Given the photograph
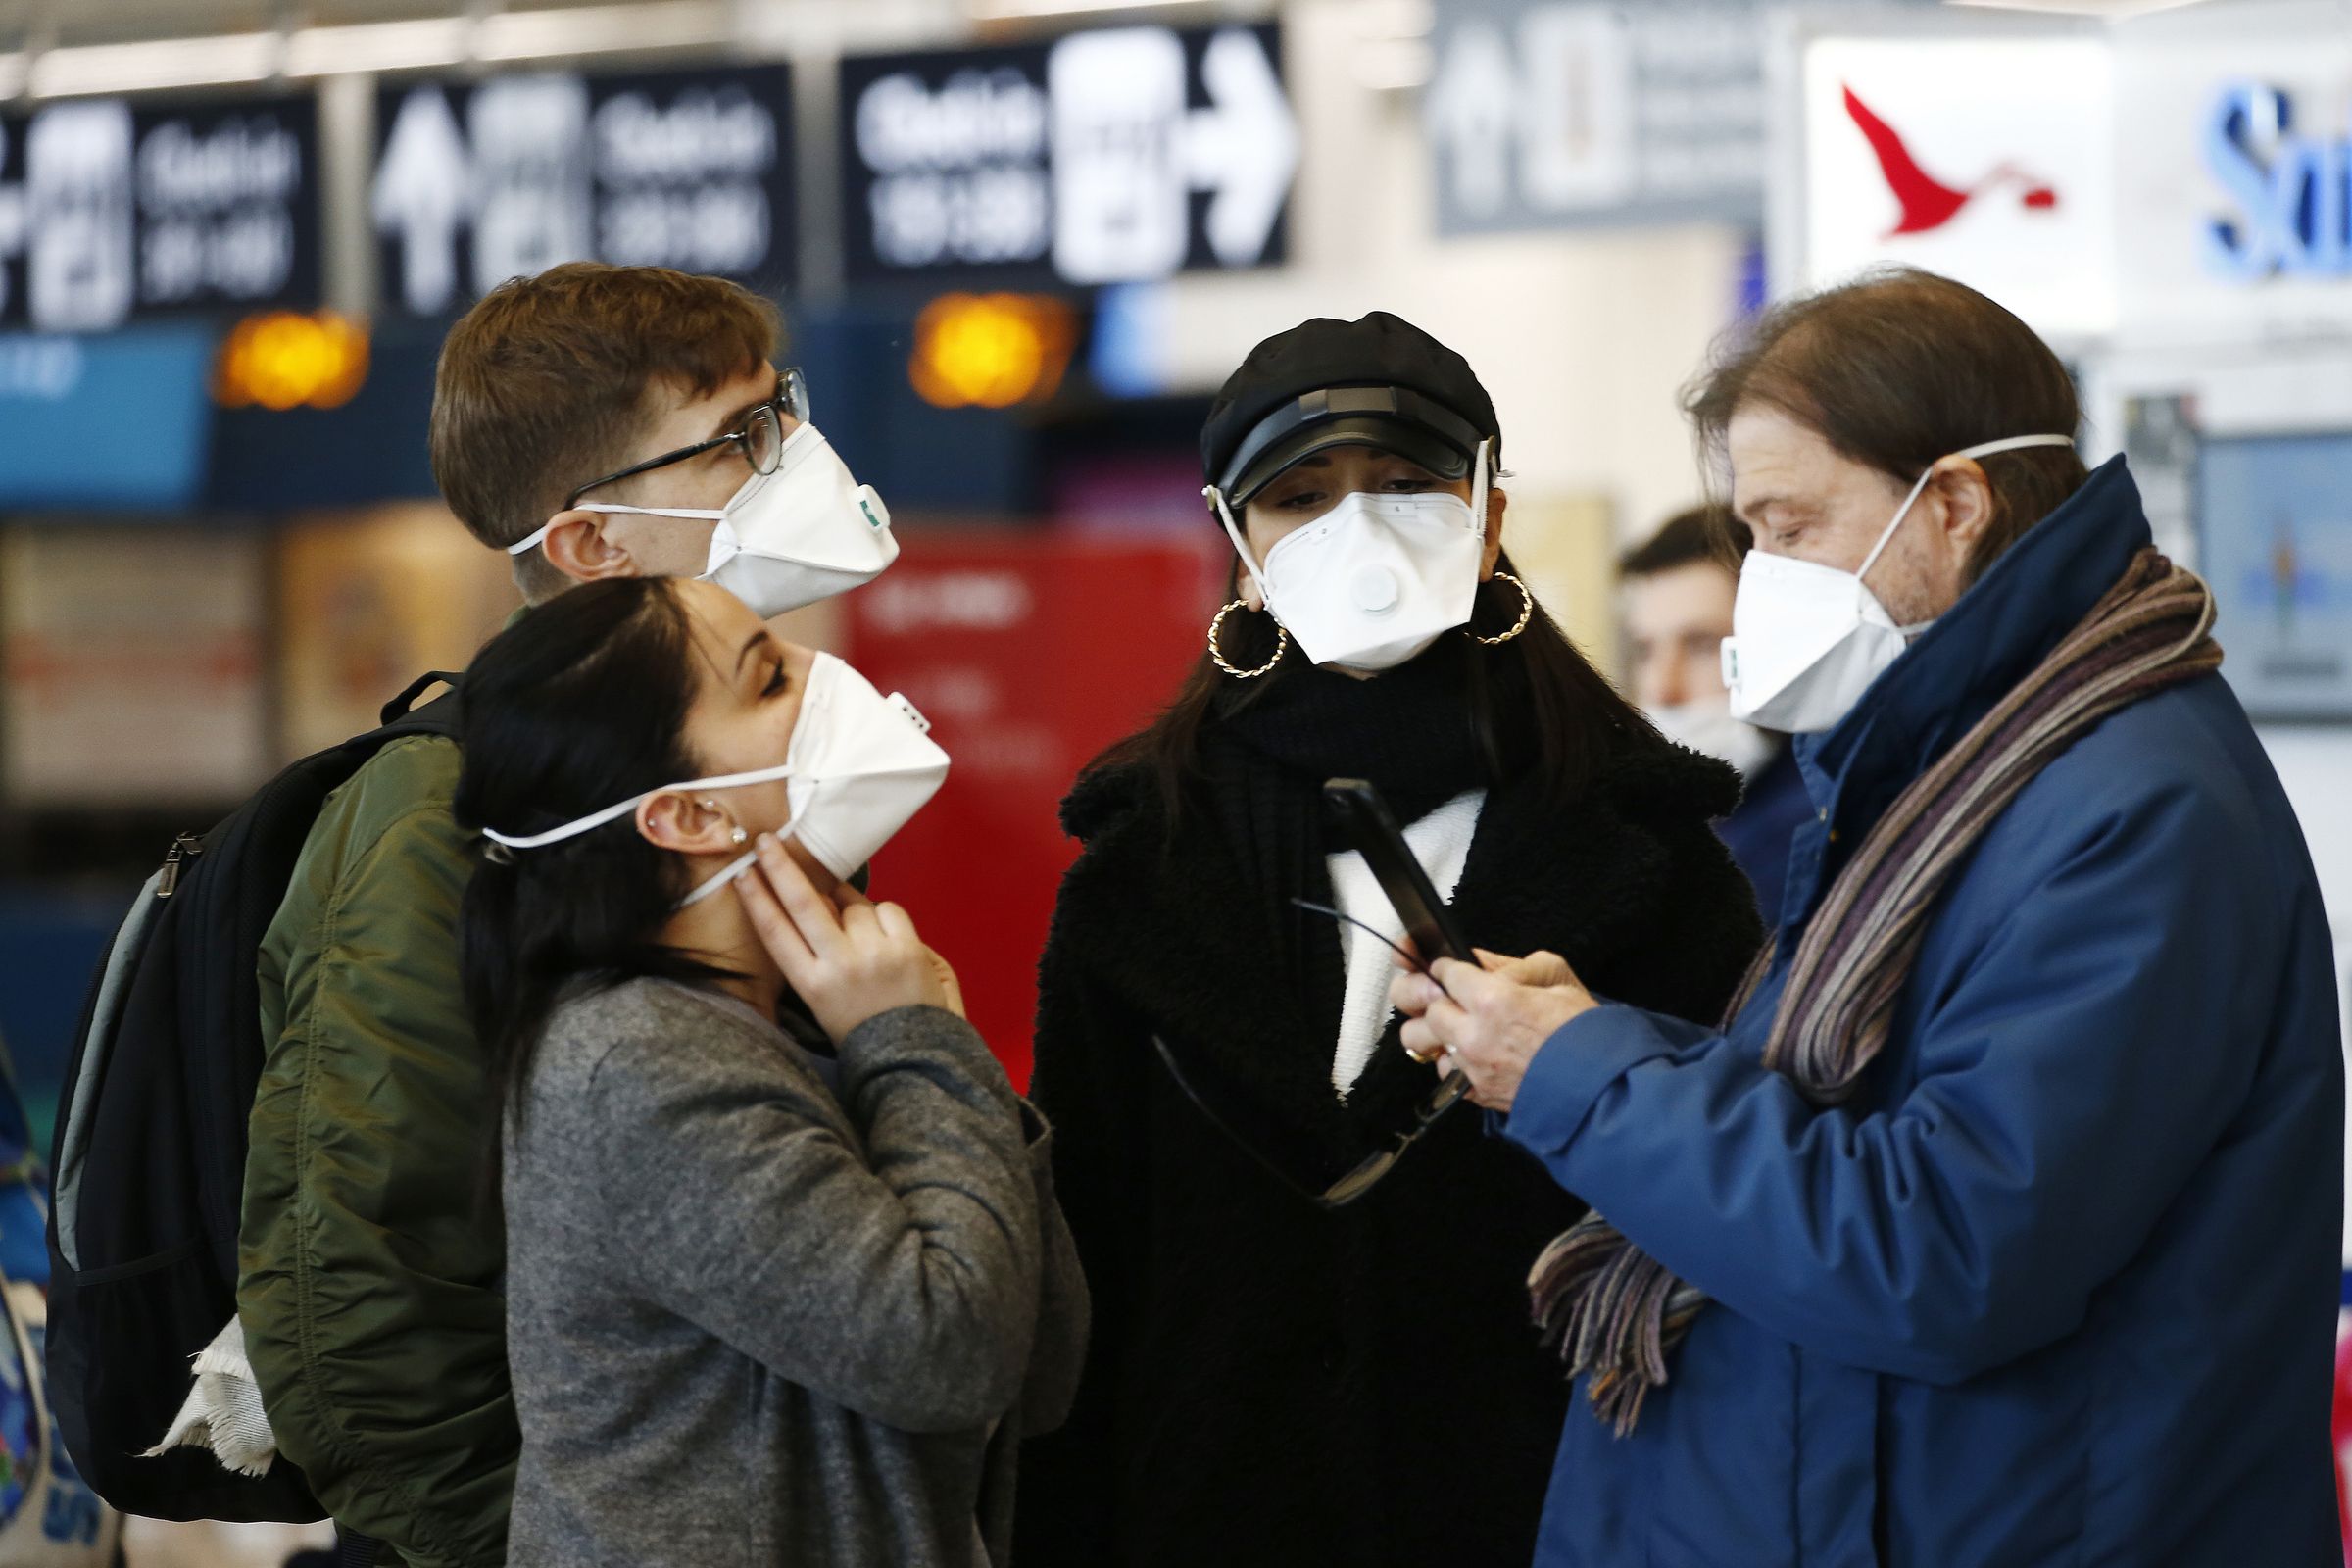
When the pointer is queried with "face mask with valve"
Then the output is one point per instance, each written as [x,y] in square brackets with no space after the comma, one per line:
[806,532]
[1375,580]
[858,769]
[1807,640]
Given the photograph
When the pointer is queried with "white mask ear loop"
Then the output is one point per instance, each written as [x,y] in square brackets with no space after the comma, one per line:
[690,514]
[538,536]
[1986,449]
[733,870]
[1478,492]
[1216,504]
[1862,573]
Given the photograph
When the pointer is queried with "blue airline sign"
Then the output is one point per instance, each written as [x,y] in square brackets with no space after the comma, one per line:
[2293,192]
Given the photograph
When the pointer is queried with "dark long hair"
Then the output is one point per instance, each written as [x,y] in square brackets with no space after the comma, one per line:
[580,704]
[1573,719]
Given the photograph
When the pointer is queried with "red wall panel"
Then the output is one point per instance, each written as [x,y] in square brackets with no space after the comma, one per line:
[1029,654]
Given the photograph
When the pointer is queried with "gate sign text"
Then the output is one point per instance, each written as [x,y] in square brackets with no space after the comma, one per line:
[476,183]
[1570,111]
[2293,192]
[109,212]
[1114,156]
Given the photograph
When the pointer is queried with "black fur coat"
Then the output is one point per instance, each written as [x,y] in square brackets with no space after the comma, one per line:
[1270,1383]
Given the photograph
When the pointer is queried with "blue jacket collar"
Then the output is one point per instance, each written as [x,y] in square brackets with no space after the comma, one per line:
[1951,677]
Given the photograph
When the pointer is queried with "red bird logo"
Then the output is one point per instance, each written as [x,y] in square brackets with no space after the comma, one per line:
[1928,202]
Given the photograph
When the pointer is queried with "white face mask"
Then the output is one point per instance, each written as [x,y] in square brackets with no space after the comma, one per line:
[1377,578]
[806,532]
[1807,640]
[1706,725]
[859,766]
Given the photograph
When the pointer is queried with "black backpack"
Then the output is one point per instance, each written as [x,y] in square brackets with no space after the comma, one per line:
[150,1146]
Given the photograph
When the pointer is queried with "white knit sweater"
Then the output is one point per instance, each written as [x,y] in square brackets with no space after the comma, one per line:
[1440,842]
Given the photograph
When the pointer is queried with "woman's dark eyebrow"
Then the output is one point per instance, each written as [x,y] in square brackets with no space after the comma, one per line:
[750,643]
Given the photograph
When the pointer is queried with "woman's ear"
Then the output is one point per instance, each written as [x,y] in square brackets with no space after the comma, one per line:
[1244,585]
[690,824]
[1497,503]
[580,547]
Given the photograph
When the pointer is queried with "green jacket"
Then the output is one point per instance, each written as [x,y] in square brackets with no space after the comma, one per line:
[368,1277]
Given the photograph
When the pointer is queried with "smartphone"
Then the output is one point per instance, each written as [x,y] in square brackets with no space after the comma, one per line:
[1367,826]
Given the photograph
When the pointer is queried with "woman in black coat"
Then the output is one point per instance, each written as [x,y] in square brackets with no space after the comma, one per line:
[1269,1376]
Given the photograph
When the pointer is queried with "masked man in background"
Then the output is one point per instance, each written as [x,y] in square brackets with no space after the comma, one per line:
[1677,603]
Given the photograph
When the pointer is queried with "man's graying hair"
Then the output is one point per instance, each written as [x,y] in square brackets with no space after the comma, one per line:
[1899,368]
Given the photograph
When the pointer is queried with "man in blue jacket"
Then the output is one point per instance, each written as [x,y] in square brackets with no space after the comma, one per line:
[2001,1225]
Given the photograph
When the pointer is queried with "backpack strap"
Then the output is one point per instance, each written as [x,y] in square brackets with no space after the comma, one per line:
[398,707]
[436,717]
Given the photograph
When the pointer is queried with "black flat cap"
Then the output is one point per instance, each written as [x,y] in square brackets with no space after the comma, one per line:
[1376,381]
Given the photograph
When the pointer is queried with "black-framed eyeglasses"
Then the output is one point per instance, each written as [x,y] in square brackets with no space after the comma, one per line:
[1376,1167]
[761,440]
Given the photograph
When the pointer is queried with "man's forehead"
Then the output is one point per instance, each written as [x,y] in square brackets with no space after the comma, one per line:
[1694,588]
[682,411]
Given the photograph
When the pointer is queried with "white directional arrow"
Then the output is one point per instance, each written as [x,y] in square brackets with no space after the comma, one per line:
[424,195]
[1245,147]
[1470,114]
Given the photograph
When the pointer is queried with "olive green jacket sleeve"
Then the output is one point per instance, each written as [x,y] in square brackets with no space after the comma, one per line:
[369,1277]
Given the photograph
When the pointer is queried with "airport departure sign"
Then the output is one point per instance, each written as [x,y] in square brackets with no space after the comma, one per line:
[1113,156]
[111,213]
[476,182]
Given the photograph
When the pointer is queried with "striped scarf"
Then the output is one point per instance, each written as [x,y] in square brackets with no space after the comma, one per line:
[1611,1310]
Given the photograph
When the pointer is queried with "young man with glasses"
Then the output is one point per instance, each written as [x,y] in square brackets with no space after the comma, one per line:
[368,1287]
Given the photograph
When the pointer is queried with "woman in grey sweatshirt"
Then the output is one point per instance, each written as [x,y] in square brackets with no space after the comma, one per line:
[778,1293]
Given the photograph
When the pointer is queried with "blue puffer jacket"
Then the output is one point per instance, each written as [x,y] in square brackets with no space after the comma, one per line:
[2059,1286]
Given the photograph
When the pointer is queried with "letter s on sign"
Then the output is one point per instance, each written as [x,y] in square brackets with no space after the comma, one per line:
[2243,249]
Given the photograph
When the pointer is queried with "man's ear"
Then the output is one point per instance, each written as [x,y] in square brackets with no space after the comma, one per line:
[689,823]
[580,546]
[1966,501]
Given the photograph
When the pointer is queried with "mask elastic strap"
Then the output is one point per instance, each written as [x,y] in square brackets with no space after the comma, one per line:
[733,870]
[1985,449]
[1216,504]
[690,514]
[621,809]
[538,536]
[1478,490]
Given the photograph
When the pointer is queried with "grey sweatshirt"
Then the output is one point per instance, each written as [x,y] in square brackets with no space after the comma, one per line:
[753,1323]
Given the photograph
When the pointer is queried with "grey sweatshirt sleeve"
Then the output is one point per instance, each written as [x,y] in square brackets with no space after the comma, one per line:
[1063,1309]
[900,1282]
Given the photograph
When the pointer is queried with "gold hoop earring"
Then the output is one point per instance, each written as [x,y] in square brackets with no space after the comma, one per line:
[1282,645]
[1527,613]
